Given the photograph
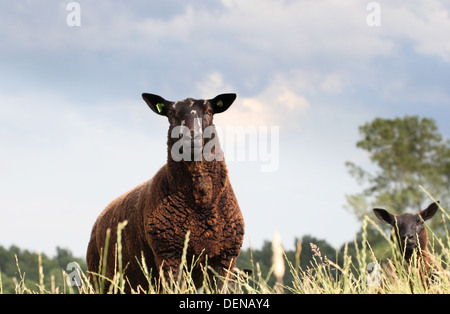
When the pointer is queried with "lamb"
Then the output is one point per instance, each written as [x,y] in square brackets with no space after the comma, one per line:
[191,192]
[411,235]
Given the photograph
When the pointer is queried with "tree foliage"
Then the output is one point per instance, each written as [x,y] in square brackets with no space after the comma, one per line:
[34,268]
[406,152]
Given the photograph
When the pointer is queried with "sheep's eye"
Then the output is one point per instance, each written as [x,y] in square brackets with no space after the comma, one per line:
[209,112]
[170,114]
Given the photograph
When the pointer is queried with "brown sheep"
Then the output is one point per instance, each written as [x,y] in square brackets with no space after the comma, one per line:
[411,235]
[191,192]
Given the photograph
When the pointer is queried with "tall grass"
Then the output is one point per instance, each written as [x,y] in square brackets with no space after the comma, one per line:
[349,275]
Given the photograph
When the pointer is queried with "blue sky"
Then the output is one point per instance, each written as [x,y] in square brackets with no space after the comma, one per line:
[75,133]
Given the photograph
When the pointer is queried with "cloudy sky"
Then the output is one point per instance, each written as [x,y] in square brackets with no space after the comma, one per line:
[75,132]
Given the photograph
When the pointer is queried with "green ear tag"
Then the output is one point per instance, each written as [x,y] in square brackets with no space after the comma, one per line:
[159,106]
[219,103]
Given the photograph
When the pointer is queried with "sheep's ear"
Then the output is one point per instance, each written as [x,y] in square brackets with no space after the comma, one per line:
[384,216]
[222,102]
[157,103]
[430,211]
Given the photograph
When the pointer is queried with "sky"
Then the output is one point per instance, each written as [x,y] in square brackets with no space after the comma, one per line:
[75,132]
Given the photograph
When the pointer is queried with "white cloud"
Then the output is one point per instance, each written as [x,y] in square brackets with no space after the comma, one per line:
[213,84]
[287,29]
[62,163]
[291,28]
[310,64]
[276,104]
[332,84]
[290,100]
[426,23]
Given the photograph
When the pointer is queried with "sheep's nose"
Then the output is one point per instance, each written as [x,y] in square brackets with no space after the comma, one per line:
[410,239]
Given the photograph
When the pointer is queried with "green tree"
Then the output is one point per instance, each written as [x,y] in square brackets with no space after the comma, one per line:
[406,152]
[28,262]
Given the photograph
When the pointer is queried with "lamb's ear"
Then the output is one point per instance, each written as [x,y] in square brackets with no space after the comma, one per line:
[222,102]
[384,216]
[430,211]
[157,103]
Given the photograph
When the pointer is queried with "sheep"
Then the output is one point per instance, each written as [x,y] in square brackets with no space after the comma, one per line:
[192,193]
[411,236]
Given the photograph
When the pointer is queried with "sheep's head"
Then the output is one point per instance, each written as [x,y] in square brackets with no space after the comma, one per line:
[408,228]
[191,124]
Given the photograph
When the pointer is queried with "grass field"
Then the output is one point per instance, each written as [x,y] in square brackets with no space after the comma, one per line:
[360,274]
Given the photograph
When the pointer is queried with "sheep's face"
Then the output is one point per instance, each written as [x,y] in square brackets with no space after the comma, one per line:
[408,229]
[191,123]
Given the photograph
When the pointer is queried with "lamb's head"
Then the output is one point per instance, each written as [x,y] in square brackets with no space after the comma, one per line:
[191,124]
[408,228]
